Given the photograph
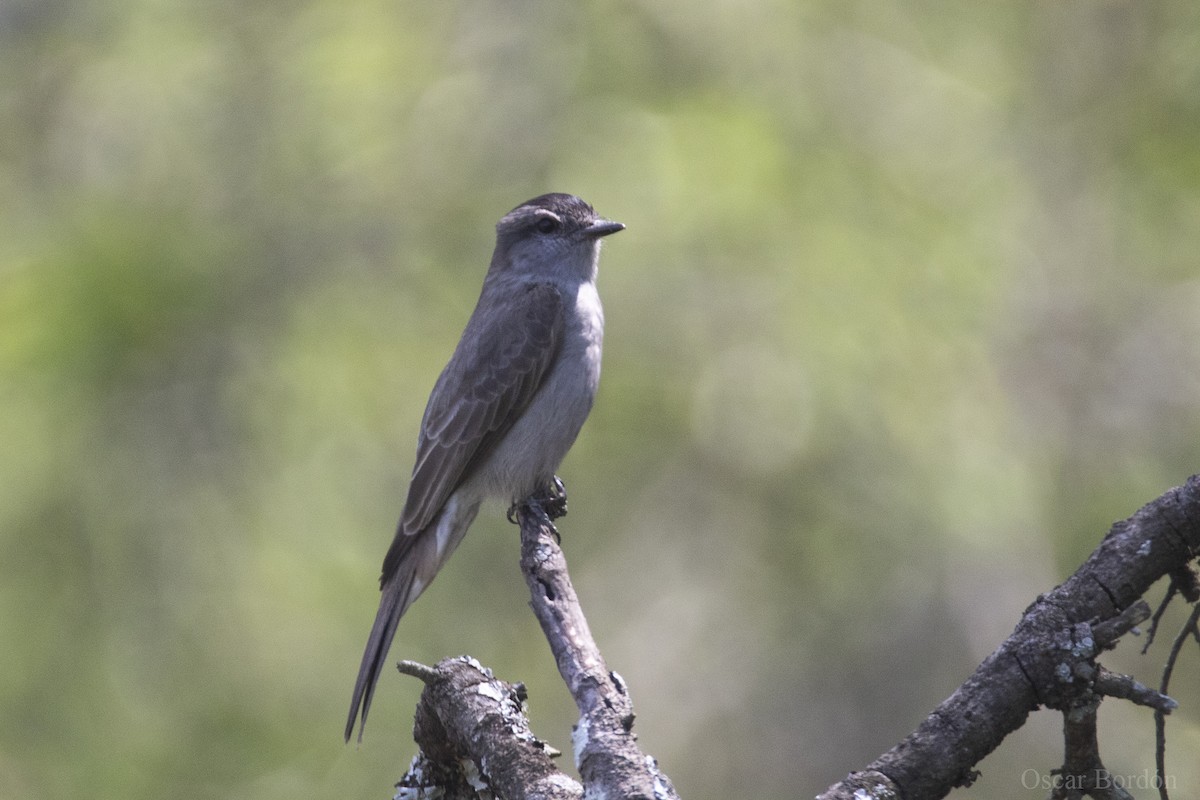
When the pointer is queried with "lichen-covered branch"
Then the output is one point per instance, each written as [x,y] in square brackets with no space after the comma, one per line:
[475,739]
[606,752]
[474,736]
[1049,660]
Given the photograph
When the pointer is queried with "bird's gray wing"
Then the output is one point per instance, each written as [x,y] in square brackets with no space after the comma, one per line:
[490,380]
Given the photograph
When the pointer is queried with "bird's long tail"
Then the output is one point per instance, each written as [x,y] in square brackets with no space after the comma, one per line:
[423,555]
[397,597]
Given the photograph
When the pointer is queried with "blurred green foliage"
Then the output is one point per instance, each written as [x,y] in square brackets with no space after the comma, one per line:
[906,315]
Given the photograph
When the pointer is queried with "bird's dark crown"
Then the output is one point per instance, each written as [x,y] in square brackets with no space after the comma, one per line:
[567,208]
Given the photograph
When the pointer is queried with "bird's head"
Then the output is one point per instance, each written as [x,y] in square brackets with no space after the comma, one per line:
[554,236]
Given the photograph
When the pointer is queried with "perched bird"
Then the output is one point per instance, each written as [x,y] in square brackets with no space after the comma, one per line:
[508,405]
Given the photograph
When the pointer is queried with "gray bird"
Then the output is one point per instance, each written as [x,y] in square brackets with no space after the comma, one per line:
[508,406]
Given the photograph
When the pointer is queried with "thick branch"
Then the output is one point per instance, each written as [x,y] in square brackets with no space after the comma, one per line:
[473,734]
[1083,772]
[1037,664]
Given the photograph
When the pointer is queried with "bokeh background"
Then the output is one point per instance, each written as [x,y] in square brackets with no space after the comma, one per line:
[906,315]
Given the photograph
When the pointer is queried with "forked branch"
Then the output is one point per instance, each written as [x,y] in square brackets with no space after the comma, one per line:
[1049,660]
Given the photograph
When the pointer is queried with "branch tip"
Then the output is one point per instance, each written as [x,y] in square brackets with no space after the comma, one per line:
[427,675]
[1110,630]
[1124,687]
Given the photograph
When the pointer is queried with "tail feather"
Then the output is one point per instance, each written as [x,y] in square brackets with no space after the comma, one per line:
[397,597]
[420,560]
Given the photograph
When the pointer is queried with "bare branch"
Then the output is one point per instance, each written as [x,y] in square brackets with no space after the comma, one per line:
[426,675]
[1123,687]
[1083,773]
[1160,721]
[606,751]
[474,735]
[1047,660]
[1158,614]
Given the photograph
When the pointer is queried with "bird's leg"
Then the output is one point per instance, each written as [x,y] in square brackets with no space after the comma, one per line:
[550,500]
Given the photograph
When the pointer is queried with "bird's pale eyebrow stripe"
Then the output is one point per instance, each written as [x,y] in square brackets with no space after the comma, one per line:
[526,212]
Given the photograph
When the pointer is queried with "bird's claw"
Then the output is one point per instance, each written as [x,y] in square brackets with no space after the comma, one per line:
[554,500]
[551,500]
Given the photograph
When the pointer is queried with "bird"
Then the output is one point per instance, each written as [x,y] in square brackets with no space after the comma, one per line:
[507,407]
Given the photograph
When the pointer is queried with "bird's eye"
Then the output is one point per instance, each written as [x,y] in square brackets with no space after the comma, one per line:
[547,225]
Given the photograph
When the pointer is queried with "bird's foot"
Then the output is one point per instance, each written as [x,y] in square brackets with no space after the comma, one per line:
[551,500]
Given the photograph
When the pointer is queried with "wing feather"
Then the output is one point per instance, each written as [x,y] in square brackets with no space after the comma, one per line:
[491,378]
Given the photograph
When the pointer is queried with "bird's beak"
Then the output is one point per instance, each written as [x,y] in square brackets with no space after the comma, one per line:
[603,227]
